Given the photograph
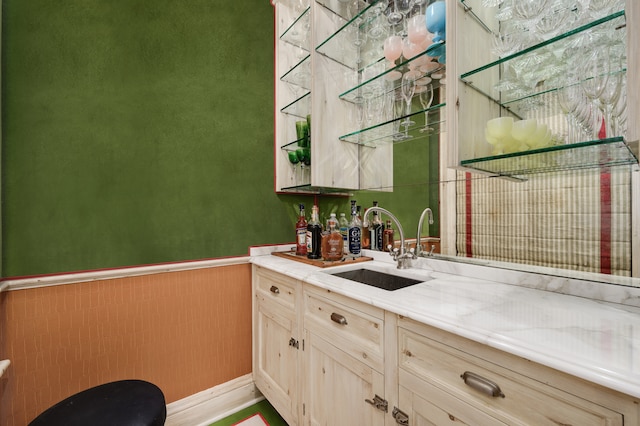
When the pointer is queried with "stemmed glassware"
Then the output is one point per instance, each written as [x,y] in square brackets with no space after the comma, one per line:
[392,49]
[611,92]
[395,16]
[408,89]
[294,160]
[594,71]
[426,99]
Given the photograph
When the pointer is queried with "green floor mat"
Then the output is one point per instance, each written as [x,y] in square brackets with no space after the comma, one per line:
[263,407]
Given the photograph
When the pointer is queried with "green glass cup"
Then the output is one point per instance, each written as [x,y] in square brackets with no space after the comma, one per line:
[302,133]
[293,157]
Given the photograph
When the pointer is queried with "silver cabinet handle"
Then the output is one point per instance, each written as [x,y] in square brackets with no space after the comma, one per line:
[274,289]
[481,384]
[338,318]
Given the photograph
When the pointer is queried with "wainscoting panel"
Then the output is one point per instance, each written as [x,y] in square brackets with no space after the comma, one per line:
[185,331]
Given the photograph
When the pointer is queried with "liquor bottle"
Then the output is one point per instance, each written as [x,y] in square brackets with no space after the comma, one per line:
[314,235]
[333,249]
[376,229]
[355,232]
[366,233]
[333,220]
[301,233]
[344,231]
[388,237]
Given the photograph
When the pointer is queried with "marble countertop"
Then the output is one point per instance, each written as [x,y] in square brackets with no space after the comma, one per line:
[594,340]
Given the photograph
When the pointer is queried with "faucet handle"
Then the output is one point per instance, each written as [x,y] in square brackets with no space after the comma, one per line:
[412,253]
[393,252]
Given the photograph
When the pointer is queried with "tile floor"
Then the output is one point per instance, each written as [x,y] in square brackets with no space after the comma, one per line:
[263,407]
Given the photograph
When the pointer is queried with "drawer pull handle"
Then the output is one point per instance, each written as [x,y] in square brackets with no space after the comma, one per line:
[481,384]
[338,318]
[274,289]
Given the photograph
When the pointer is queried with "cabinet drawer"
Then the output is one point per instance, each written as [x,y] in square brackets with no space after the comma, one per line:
[276,287]
[352,326]
[505,394]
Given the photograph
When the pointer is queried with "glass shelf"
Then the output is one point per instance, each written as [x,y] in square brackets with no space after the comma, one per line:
[301,107]
[346,46]
[600,153]
[300,74]
[293,146]
[369,85]
[345,9]
[516,80]
[309,189]
[392,131]
[297,34]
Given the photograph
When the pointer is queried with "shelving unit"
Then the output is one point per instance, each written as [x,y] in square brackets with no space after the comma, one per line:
[524,85]
[333,82]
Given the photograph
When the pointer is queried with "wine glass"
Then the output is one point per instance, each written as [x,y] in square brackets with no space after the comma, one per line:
[403,6]
[395,16]
[417,29]
[426,99]
[304,158]
[436,20]
[568,100]
[398,111]
[392,49]
[377,30]
[611,92]
[408,88]
[293,159]
[409,49]
[594,70]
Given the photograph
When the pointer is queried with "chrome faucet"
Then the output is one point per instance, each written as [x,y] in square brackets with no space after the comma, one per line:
[429,213]
[402,256]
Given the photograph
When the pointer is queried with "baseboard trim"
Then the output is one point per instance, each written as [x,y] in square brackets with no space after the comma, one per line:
[211,405]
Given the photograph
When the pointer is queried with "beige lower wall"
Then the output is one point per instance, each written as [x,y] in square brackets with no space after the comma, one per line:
[185,331]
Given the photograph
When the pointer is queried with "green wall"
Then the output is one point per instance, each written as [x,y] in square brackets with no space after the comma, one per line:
[139,132]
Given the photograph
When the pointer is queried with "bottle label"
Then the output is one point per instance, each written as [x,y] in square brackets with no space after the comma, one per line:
[302,236]
[354,240]
[309,241]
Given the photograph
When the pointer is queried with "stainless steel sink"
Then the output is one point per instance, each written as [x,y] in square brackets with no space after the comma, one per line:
[377,279]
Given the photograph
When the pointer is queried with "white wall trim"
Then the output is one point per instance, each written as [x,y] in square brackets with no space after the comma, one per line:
[77,277]
[211,405]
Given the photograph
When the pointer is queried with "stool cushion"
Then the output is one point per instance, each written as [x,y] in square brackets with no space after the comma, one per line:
[122,403]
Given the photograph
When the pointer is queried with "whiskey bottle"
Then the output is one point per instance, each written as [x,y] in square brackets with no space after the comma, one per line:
[314,235]
[354,232]
[301,233]
[333,249]
[388,237]
[366,233]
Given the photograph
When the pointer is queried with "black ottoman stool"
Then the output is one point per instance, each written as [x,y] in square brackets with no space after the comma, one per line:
[122,403]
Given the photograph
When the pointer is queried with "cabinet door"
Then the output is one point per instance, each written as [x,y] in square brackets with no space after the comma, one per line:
[275,368]
[337,386]
[426,405]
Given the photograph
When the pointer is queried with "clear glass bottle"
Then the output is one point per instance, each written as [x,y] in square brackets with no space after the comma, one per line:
[344,232]
[314,235]
[301,233]
[333,220]
[355,232]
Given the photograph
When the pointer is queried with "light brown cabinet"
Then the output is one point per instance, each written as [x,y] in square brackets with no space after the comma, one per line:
[276,340]
[322,358]
[466,378]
